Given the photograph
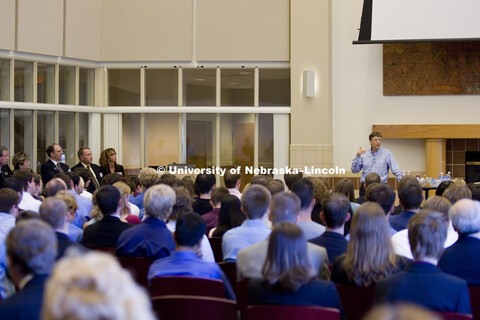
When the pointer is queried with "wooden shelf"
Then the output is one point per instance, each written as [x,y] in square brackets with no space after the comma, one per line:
[423,131]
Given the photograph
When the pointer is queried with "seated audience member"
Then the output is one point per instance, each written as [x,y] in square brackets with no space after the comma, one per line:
[422,282]
[84,204]
[26,215]
[150,239]
[105,232]
[403,181]
[284,207]
[86,161]
[25,176]
[147,178]
[112,178]
[335,212]
[184,261]
[410,195]
[442,187]
[126,214]
[54,211]
[86,178]
[31,251]
[204,183]
[183,204]
[401,311]
[211,218]
[321,193]
[230,216]
[255,203]
[233,182]
[53,186]
[401,245]
[384,195]
[275,186]
[345,186]
[75,234]
[94,286]
[189,184]
[455,193]
[291,178]
[370,256]
[459,182]
[260,179]
[37,194]
[304,189]
[475,189]
[370,179]
[53,165]
[108,162]
[462,258]
[287,275]
[20,160]
[9,200]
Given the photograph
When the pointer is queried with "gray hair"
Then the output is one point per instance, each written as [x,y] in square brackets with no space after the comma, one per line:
[465,215]
[159,201]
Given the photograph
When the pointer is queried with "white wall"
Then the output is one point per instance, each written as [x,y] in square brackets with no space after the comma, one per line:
[358,100]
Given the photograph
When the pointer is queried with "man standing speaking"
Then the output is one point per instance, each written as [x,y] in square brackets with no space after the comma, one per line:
[376,159]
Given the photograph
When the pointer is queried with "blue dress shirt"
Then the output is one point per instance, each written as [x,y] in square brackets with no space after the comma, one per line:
[248,233]
[379,162]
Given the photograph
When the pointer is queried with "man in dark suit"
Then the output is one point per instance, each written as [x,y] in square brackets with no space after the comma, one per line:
[86,158]
[335,213]
[410,195]
[105,232]
[462,259]
[370,179]
[5,171]
[421,282]
[31,251]
[53,165]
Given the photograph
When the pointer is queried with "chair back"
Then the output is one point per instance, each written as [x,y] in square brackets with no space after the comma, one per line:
[287,312]
[180,285]
[216,243]
[138,268]
[356,301]
[179,307]
[475,300]
[455,316]
[230,270]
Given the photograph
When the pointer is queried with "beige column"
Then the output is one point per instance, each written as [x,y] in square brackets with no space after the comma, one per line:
[435,158]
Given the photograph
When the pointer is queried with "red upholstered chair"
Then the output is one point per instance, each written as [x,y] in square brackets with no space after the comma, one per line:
[475,300]
[284,312]
[179,285]
[179,307]
[138,267]
[455,316]
[356,301]
[216,244]
[230,270]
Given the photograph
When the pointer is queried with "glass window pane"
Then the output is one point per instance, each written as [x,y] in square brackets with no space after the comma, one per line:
[124,87]
[45,83]
[199,87]
[274,87]
[67,137]
[23,81]
[23,138]
[265,140]
[4,80]
[161,135]
[200,142]
[67,85]
[131,141]
[83,129]
[161,87]
[45,135]
[87,87]
[5,128]
[237,139]
[237,87]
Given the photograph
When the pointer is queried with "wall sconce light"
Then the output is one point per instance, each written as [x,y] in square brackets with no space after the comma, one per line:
[308,83]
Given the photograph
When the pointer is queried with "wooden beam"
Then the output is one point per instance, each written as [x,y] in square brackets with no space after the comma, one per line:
[423,131]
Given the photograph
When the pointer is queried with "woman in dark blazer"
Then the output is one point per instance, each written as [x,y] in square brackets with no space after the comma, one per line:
[108,162]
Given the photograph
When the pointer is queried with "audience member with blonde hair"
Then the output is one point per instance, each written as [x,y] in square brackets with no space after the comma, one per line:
[370,256]
[126,213]
[147,178]
[439,204]
[288,277]
[455,193]
[75,233]
[321,193]
[94,287]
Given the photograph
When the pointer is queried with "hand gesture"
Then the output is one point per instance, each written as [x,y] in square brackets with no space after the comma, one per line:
[361,151]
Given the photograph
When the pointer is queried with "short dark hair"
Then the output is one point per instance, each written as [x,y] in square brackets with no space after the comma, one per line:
[75,177]
[255,201]
[276,186]
[374,134]
[218,194]
[53,211]
[305,190]
[13,183]
[51,148]
[8,199]
[205,182]
[426,234]
[442,187]
[111,178]
[382,194]
[284,207]
[65,177]
[189,229]
[80,151]
[231,179]
[25,176]
[372,177]
[291,178]
[107,199]
[410,195]
[475,189]
[335,208]
[260,180]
